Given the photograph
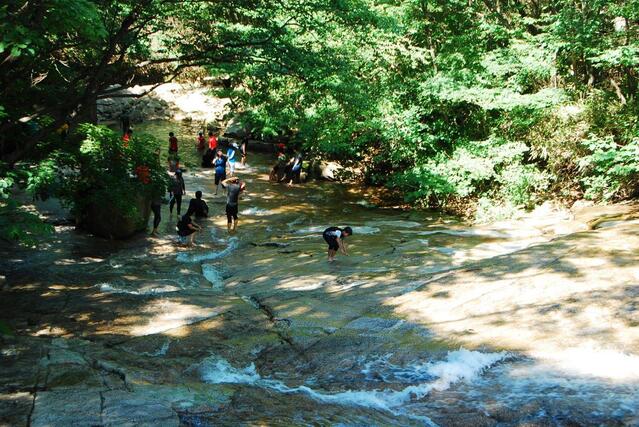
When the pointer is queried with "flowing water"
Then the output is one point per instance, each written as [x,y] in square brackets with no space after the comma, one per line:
[332,352]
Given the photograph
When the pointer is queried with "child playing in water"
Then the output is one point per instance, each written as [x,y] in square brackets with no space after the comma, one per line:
[335,236]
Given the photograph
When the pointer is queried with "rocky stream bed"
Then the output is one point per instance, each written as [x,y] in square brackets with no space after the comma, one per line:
[429,321]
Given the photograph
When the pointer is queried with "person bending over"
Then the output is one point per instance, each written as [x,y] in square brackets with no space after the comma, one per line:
[294,170]
[335,236]
[233,188]
[197,206]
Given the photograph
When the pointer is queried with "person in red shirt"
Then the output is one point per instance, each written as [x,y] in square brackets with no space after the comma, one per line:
[212,142]
[173,143]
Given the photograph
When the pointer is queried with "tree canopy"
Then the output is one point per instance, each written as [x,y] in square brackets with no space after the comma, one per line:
[450,102]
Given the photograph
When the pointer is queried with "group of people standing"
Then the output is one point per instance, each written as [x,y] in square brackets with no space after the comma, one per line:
[186,227]
[213,156]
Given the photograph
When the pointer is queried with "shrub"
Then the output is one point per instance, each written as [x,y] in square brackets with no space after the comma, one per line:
[473,169]
[611,171]
[103,171]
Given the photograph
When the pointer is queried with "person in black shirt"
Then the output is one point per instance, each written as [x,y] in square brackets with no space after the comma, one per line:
[335,236]
[198,206]
[177,189]
[186,227]
[156,207]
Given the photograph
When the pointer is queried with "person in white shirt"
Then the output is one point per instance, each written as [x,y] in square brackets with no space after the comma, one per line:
[335,236]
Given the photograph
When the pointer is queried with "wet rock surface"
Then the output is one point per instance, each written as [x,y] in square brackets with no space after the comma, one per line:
[401,332]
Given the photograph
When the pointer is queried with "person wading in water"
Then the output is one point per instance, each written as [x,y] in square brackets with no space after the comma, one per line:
[177,190]
[220,169]
[233,187]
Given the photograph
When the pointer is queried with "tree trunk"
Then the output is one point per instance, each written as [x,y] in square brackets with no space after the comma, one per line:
[614,84]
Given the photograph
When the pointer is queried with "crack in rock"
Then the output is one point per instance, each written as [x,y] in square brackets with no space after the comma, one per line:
[278,323]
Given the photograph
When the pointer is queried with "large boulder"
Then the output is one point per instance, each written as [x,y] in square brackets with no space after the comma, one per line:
[110,221]
[329,170]
[234,129]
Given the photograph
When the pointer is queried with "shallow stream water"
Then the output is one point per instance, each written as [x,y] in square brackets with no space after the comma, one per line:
[339,355]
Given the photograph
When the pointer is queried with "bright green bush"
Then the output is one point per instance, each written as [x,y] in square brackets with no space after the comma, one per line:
[103,171]
[473,169]
[16,223]
[611,171]
[490,210]
[521,184]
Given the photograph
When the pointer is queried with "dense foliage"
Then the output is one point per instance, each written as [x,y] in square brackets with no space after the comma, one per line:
[458,101]
[103,171]
[494,104]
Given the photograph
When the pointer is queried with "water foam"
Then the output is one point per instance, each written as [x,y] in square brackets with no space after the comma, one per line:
[461,233]
[364,229]
[461,365]
[602,382]
[257,212]
[590,360]
[209,256]
[397,223]
[213,275]
[160,351]
[296,221]
[112,289]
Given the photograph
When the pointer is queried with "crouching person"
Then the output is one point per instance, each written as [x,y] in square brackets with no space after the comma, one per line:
[187,228]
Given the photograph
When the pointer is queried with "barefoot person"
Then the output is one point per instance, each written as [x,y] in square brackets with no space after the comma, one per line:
[231,157]
[176,190]
[186,227]
[335,236]
[294,170]
[220,169]
[233,187]
[156,208]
